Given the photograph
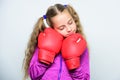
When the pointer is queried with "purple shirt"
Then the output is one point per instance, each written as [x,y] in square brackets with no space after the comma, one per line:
[58,69]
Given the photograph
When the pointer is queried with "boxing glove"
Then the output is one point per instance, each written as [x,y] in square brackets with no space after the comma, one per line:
[49,44]
[72,48]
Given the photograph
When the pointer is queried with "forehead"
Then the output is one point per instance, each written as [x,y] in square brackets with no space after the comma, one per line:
[61,18]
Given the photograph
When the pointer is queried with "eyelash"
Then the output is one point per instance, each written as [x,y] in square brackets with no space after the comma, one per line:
[61,28]
[68,23]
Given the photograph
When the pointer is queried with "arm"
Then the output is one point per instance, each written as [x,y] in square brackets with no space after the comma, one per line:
[83,72]
[36,69]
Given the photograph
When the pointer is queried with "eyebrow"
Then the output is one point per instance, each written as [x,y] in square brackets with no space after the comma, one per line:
[67,22]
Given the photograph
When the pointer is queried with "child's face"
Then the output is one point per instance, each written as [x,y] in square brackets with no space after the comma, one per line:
[64,23]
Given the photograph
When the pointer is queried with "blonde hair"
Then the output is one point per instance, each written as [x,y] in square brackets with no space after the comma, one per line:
[39,26]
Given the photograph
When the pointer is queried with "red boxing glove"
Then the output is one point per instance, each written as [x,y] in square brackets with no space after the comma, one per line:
[73,46]
[49,44]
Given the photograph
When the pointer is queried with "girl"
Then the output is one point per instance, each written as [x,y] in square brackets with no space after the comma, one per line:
[64,20]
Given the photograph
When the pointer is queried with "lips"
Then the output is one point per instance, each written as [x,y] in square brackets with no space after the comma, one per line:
[72,32]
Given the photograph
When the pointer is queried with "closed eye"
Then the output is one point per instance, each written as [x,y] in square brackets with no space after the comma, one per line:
[70,21]
[61,27]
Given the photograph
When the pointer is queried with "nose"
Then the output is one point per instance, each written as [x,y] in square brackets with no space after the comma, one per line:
[68,29]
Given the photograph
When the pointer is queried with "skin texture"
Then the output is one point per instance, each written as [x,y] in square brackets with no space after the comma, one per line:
[64,23]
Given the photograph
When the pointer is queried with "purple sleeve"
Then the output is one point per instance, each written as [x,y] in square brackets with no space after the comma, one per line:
[83,72]
[36,69]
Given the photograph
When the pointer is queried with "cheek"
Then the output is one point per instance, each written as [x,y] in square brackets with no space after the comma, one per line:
[74,27]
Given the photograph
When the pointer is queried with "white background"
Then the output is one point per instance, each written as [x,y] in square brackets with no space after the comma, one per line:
[100,20]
